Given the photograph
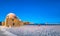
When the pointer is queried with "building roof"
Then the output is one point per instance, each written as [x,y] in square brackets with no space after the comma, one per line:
[11,15]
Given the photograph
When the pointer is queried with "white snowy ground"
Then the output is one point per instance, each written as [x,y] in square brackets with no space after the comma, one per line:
[3,32]
[35,30]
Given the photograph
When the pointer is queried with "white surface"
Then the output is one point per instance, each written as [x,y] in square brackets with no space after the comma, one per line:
[33,30]
[7,33]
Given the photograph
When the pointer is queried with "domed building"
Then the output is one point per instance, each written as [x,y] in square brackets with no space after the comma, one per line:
[13,21]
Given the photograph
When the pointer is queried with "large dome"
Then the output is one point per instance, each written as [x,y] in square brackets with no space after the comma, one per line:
[11,15]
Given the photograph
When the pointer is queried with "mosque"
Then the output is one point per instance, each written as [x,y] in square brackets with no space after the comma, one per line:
[12,20]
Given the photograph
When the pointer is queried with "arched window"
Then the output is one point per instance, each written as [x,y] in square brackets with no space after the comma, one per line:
[12,19]
[13,24]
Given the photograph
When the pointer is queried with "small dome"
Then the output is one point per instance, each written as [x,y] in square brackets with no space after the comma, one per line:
[11,15]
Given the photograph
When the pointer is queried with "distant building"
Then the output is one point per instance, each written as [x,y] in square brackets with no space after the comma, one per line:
[0,23]
[26,23]
[13,21]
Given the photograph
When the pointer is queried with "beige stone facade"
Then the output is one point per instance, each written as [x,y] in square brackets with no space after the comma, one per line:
[13,21]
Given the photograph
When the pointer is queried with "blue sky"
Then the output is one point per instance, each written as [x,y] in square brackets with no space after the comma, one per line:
[36,11]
